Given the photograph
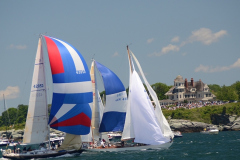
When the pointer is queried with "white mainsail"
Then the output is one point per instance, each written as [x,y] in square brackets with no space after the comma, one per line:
[166,130]
[145,124]
[128,132]
[36,128]
[95,108]
[97,111]
[140,112]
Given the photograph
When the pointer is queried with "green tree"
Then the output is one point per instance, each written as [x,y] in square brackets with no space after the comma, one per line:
[236,86]
[214,87]
[160,89]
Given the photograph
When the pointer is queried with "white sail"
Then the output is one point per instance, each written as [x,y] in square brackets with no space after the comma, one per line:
[166,130]
[71,141]
[128,132]
[142,113]
[97,111]
[95,108]
[36,128]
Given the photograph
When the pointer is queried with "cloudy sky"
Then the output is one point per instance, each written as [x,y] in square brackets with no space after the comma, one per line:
[194,39]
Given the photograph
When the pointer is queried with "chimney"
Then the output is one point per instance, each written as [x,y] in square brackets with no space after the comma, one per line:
[186,83]
[192,82]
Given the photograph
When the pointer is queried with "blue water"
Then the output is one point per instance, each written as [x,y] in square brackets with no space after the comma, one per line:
[192,146]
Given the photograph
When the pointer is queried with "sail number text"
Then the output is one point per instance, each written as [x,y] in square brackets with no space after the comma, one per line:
[38,86]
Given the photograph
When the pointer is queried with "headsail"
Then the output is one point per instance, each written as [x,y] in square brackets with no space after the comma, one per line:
[36,128]
[72,88]
[116,101]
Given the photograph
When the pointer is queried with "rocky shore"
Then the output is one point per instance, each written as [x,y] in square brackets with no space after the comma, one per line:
[223,122]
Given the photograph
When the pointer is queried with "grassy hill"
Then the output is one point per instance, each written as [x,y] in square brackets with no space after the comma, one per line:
[203,114]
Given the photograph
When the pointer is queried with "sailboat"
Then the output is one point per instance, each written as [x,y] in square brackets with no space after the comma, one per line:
[5,141]
[110,118]
[144,127]
[72,98]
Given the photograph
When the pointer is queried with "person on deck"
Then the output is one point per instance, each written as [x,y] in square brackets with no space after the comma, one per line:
[14,148]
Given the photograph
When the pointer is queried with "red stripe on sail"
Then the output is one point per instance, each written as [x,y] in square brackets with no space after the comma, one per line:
[54,56]
[80,119]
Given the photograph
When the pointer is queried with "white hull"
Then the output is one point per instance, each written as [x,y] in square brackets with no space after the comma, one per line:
[159,147]
[209,132]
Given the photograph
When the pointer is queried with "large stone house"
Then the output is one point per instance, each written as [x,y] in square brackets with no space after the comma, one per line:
[190,91]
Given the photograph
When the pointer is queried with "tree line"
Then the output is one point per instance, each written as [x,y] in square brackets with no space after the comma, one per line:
[17,116]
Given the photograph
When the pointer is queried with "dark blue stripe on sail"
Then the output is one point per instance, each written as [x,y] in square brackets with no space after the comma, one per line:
[111,81]
[112,121]
[74,129]
[66,78]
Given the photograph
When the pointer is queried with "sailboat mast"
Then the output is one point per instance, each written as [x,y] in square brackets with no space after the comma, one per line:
[5,110]
[129,58]
[49,144]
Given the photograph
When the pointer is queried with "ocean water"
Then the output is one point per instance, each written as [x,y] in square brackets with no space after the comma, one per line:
[192,146]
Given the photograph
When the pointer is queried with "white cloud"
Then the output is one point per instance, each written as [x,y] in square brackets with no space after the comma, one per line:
[169,48]
[150,40]
[205,36]
[19,47]
[165,50]
[115,54]
[210,69]
[10,92]
[175,39]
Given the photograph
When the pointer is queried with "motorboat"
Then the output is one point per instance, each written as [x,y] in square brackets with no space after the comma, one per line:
[177,134]
[210,130]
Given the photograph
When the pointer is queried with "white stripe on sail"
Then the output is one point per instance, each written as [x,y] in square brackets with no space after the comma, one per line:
[116,102]
[76,59]
[75,87]
[62,111]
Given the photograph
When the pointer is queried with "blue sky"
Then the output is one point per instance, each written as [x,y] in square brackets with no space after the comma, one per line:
[194,39]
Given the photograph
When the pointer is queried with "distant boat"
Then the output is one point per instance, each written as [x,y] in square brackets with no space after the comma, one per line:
[177,134]
[72,97]
[5,141]
[210,130]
